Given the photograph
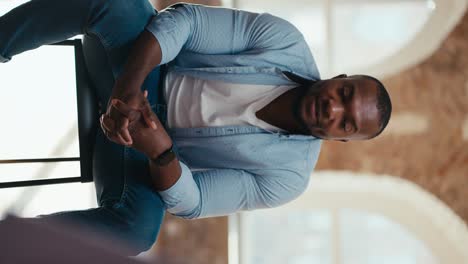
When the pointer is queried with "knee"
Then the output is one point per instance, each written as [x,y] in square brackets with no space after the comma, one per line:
[147,227]
[143,220]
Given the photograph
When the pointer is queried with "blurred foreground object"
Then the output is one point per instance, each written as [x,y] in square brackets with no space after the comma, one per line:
[33,241]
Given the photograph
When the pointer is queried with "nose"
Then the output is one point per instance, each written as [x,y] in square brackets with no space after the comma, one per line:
[334,109]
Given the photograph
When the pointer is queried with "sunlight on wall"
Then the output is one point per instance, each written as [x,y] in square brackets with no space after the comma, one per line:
[407,123]
[465,129]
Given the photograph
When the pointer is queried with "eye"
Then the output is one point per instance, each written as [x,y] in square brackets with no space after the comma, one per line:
[347,127]
[346,91]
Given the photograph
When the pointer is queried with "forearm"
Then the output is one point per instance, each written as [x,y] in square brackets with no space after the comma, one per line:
[144,57]
[164,177]
[127,95]
[165,169]
[156,144]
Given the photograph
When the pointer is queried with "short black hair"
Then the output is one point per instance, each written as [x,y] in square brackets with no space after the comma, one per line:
[384,104]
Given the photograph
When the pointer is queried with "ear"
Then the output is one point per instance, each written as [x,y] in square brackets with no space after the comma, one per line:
[340,76]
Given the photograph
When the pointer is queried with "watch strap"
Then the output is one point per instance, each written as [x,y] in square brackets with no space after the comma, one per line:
[166,157]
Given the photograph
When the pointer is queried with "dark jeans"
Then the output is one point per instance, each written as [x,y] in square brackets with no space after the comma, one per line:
[128,208]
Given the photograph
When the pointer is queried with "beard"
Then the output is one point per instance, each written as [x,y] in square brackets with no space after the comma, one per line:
[297,111]
[312,89]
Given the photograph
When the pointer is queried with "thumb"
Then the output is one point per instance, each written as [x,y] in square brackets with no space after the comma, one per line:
[147,113]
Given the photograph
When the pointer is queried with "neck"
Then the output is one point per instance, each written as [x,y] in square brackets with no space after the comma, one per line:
[282,112]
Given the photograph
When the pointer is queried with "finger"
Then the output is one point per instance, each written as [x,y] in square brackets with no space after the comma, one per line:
[121,140]
[124,133]
[106,133]
[116,138]
[134,115]
[121,107]
[113,137]
[108,127]
[125,110]
[146,111]
[101,122]
[121,131]
[107,123]
[121,127]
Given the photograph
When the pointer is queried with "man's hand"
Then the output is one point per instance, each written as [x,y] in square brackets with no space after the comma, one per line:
[145,56]
[115,124]
[146,139]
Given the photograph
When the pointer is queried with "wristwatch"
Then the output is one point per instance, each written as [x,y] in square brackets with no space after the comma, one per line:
[165,158]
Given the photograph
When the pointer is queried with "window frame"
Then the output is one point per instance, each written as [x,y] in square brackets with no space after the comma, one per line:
[83,93]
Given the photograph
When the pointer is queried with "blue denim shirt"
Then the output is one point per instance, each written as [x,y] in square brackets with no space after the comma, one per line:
[231,168]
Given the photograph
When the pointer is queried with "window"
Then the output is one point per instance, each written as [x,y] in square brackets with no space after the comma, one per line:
[39,120]
[39,93]
[376,37]
[320,236]
[368,33]
[351,219]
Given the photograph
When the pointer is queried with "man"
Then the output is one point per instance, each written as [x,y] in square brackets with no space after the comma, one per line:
[246,109]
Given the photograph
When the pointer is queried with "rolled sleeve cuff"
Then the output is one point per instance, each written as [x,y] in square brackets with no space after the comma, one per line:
[171,28]
[184,196]
[154,28]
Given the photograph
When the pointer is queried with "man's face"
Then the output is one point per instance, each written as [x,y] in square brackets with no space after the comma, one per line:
[342,108]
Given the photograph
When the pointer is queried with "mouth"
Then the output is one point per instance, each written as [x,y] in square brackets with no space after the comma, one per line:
[317,111]
[313,111]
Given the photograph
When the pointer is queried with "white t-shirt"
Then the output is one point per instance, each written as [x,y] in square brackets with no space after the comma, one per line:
[193,102]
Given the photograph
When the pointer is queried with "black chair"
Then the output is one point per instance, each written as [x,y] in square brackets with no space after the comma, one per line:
[92,70]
